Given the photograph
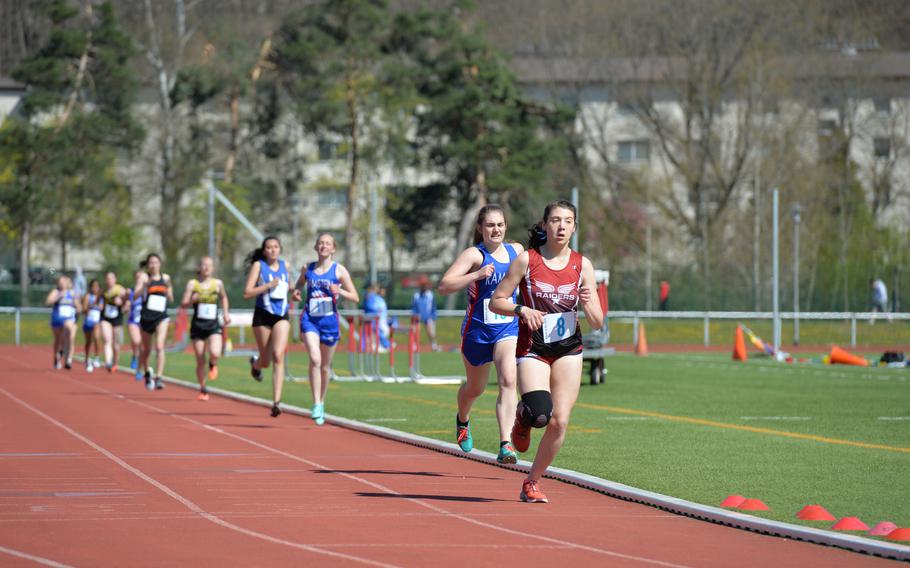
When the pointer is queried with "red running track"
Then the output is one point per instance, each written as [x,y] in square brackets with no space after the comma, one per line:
[95,471]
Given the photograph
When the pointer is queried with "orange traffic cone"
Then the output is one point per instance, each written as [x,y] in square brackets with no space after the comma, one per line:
[739,345]
[641,346]
[839,356]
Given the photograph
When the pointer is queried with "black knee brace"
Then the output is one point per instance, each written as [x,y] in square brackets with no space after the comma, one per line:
[535,409]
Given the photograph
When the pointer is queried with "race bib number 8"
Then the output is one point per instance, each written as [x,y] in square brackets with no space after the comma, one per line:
[111,311]
[557,327]
[321,307]
[156,303]
[93,316]
[66,312]
[206,311]
[492,318]
[279,292]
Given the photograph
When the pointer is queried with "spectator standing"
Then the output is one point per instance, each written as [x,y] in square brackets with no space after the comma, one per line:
[424,307]
[664,295]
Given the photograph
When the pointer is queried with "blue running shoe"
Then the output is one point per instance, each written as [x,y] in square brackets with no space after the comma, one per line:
[507,454]
[140,374]
[319,413]
[463,436]
[134,363]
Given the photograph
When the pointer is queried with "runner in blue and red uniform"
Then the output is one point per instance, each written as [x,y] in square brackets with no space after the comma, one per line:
[325,282]
[486,337]
[63,320]
[92,304]
[554,281]
[134,321]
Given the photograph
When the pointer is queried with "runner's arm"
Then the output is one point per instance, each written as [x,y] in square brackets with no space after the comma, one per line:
[251,290]
[187,295]
[347,291]
[501,301]
[589,301]
[464,271]
[225,304]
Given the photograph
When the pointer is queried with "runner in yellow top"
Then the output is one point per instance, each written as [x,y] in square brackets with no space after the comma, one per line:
[111,318]
[206,327]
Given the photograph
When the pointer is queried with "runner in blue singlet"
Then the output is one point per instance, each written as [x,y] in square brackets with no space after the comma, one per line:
[268,281]
[485,337]
[63,320]
[325,281]
[92,305]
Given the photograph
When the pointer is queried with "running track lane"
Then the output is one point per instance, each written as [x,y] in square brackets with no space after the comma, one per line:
[95,471]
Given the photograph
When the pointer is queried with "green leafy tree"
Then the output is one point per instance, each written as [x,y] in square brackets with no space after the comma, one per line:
[59,154]
[476,129]
[334,60]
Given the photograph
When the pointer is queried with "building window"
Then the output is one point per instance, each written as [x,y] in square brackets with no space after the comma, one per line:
[881,147]
[332,197]
[634,151]
[882,105]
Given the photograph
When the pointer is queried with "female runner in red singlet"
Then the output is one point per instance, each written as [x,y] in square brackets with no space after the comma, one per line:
[554,281]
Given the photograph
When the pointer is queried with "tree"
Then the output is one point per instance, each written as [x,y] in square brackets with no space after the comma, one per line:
[475,128]
[59,154]
[333,59]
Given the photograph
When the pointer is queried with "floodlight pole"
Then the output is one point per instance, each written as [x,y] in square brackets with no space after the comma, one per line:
[374,232]
[776,268]
[211,189]
[797,217]
[575,203]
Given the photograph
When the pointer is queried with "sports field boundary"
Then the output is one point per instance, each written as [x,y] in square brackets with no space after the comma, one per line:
[610,488]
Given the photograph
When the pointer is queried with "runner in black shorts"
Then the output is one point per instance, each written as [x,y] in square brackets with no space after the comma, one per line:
[111,319]
[206,328]
[154,290]
[268,282]
[554,281]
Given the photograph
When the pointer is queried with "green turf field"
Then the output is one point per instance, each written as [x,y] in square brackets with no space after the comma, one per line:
[699,427]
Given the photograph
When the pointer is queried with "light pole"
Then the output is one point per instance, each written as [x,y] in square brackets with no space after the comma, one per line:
[775,267]
[797,217]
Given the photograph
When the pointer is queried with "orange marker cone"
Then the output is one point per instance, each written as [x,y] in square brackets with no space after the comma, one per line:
[739,345]
[753,505]
[842,357]
[733,501]
[641,347]
[850,524]
[899,534]
[815,513]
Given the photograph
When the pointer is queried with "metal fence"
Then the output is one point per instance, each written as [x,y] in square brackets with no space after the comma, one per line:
[616,319]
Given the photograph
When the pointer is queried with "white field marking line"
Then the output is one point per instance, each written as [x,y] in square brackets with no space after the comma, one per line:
[390,491]
[33,558]
[183,500]
[775,418]
[894,418]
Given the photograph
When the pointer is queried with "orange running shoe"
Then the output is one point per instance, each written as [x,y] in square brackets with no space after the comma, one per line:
[531,493]
[203,396]
[213,372]
[521,435]
[114,368]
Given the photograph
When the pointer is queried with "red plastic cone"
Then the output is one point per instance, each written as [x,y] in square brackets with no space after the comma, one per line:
[842,357]
[753,505]
[899,534]
[739,345]
[850,524]
[882,529]
[641,346]
[733,501]
[815,513]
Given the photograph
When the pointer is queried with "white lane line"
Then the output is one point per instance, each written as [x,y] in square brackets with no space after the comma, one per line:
[894,418]
[33,558]
[390,491]
[179,498]
[784,418]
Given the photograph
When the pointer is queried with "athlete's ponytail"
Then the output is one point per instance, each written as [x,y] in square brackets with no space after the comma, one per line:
[537,234]
[482,216]
[259,254]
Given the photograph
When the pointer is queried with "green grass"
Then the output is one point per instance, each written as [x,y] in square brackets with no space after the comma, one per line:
[615,435]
